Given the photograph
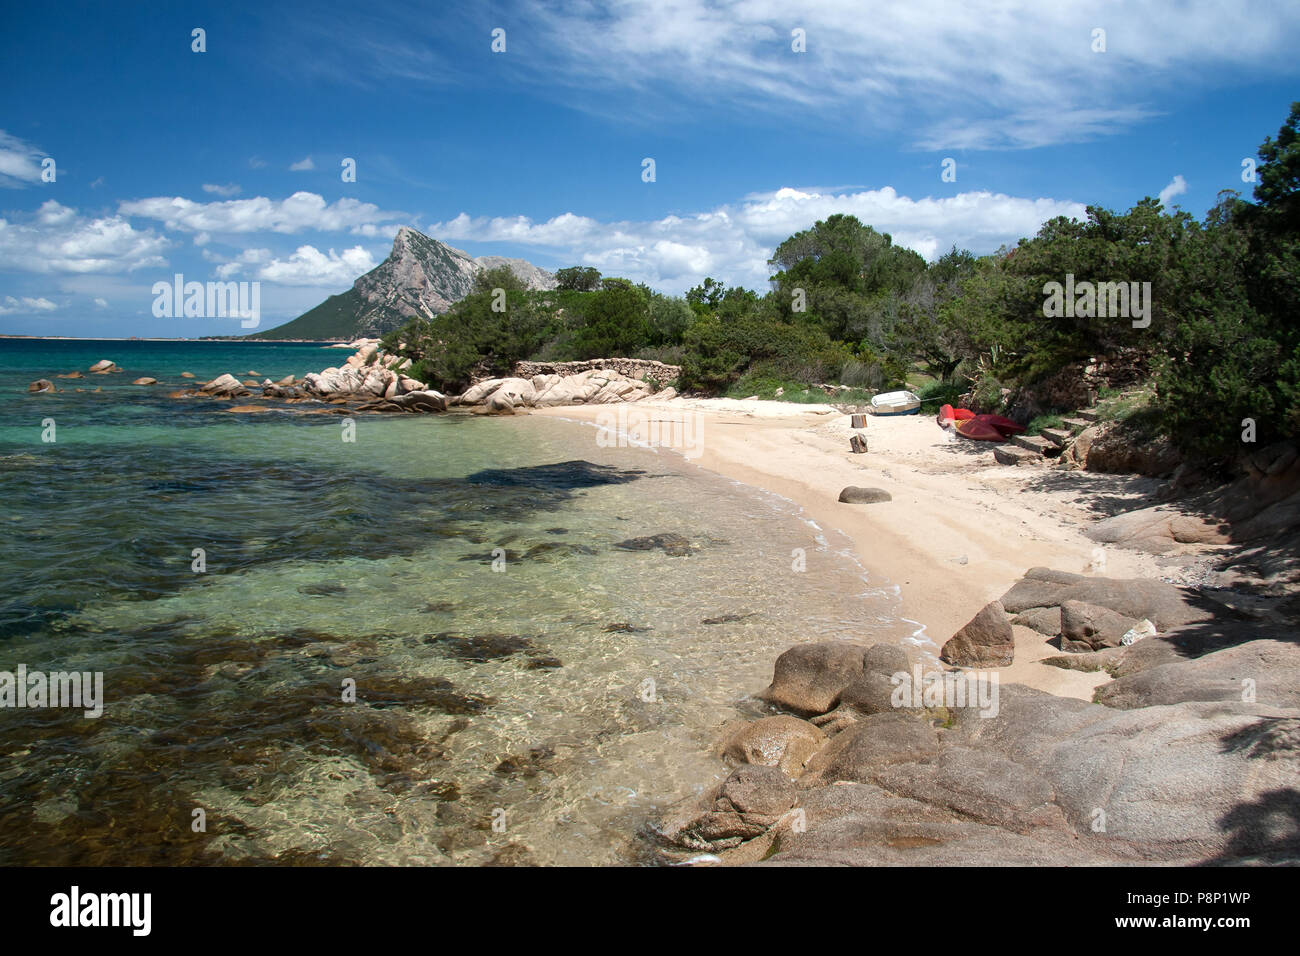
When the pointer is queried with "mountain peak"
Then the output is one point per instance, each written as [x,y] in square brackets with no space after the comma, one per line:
[422,277]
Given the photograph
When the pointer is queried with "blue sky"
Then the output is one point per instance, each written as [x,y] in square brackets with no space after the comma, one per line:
[225,164]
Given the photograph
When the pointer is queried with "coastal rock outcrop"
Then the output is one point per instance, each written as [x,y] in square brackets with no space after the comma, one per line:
[858,753]
[371,376]
[1261,508]
[224,386]
[1165,605]
[1266,670]
[808,678]
[41,385]
[1087,627]
[592,387]
[748,803]
[1189,756]
[1114,449]
[783,741]
[885,681]
[1044,620]
[104,367]
[378,379]
[985,641]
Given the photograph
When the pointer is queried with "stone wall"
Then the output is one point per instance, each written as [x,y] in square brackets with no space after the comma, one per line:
[632,368]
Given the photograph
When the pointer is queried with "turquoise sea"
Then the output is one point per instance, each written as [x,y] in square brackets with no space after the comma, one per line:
[526,689]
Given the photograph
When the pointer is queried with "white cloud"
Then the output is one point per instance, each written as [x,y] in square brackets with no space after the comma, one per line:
[58,239]
[382,231]
[256,162]
[302,210]
[224,191]
[733,242]
[26,305]
[101,302]
[309,266]
[302,165]
[233,267]
[979,74]
[20,162]
[1177,186]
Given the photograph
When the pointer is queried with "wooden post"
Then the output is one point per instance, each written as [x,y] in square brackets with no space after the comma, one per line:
[858,445]
[858,421]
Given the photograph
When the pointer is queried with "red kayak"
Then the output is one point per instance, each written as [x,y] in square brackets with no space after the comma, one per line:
[978,427]
[1005,425]
[977,430]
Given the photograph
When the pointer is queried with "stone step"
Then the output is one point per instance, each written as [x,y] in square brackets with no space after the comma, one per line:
[1015,455]
[1057,436]
[1087,414]
[1076,425]
[1035,443]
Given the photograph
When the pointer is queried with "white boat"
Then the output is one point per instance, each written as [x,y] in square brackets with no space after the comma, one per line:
[895,403]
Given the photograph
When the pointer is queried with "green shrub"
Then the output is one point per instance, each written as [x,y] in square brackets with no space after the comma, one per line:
[1039,422]
[935,394]
[987,394]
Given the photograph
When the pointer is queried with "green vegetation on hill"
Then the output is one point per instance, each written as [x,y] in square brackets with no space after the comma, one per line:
[847,306]
[335,318]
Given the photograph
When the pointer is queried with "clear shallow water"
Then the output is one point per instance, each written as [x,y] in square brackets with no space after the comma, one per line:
[478,691]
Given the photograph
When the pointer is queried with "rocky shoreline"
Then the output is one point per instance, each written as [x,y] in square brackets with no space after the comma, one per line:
[1189,755]
[372,380]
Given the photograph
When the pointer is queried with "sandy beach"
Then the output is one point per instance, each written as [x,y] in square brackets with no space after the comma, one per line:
[960,528]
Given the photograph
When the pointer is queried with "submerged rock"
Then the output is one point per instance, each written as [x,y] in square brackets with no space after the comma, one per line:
[324,589]
[726,618]
[672,544]
[479,648]
[543,662]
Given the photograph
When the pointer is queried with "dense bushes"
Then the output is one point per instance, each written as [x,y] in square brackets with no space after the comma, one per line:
[718,352]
